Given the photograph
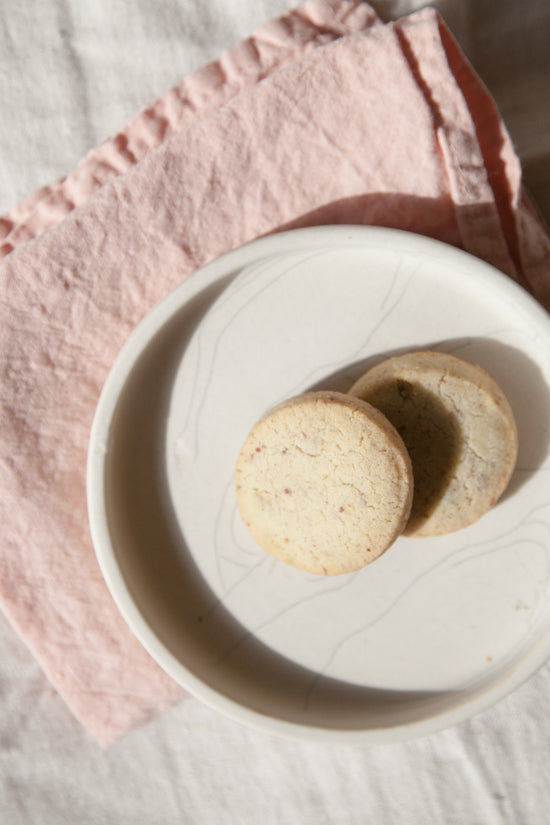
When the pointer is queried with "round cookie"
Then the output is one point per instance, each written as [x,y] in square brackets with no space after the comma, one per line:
[459,430]
[324,483]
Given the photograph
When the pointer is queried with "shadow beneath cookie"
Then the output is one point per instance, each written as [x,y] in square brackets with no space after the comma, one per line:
[432,435]
[519,377]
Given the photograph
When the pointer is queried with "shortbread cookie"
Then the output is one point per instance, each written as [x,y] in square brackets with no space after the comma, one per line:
[324,483]
[459,430]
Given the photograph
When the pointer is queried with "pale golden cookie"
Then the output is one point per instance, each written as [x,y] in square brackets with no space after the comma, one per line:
[459,430]
[324,483]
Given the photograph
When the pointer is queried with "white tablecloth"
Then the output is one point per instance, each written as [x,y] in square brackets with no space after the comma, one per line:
[71,74]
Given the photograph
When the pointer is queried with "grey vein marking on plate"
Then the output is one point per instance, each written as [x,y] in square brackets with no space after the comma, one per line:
[196,340]
[524,522]
[218,553]
[249,279]
[372,622]
[219,601]
[392,284]
[273,618]
[330,367]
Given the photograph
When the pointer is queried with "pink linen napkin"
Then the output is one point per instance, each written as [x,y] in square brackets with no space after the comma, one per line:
[275,44]
[325,116]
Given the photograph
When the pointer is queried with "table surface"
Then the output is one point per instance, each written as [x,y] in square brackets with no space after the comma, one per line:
[71,75]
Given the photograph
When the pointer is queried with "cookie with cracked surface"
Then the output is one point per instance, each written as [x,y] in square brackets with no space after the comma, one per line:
[324,483]
[459,430]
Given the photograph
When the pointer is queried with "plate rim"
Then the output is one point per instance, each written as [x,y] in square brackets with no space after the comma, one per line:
[133,348]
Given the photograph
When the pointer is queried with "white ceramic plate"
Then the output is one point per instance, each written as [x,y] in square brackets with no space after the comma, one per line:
[429,634]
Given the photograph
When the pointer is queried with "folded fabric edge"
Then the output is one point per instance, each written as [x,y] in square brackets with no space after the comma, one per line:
[523,227]
[273,45]
[513,237]
[501,162]
[456,139]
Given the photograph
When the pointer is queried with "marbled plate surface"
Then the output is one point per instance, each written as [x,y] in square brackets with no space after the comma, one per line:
[428,634]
